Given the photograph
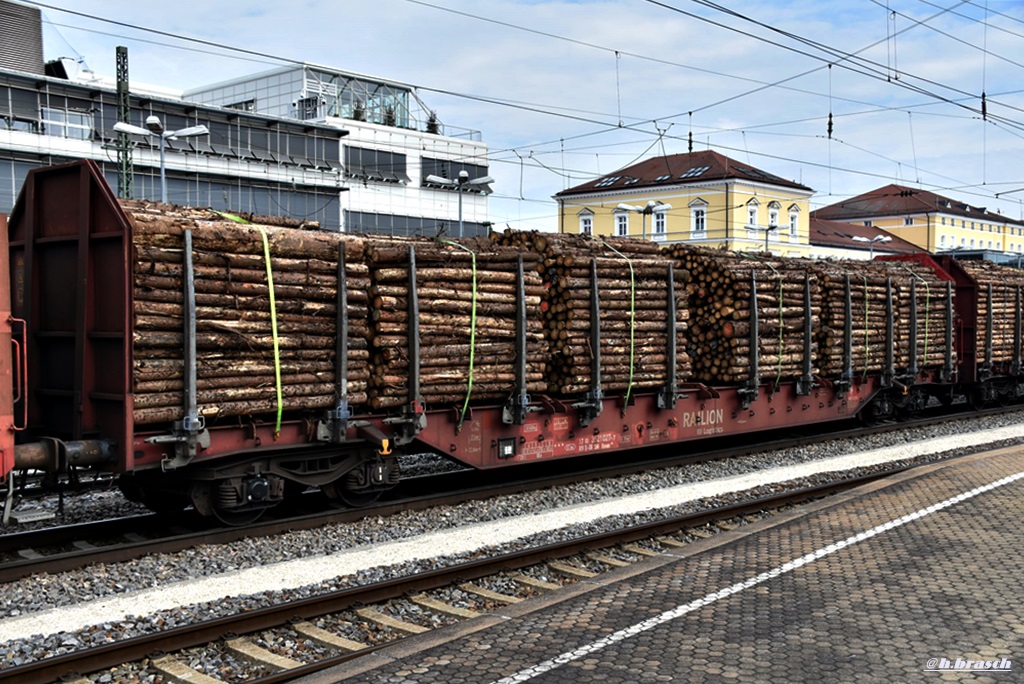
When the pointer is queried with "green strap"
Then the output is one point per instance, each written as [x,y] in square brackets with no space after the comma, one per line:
[472,332]
[927,312]
[632,319]
[273,329]
[230,217]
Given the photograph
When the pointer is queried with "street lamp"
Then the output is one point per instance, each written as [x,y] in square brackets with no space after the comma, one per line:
[155,127]
[461,181]
[767,231]
[652,206]
[871,241]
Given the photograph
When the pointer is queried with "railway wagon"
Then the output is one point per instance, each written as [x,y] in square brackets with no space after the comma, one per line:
[74,394]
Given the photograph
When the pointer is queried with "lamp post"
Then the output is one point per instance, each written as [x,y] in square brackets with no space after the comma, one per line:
[155,127]
[871,241]
[461,181]
[767,231]
[645,211]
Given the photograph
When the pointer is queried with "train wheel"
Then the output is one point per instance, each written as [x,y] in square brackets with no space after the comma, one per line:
[234,518]
[219,500]
[339,494]
[977,397]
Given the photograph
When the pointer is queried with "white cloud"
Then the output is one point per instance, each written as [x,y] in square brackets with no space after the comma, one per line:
[944,145]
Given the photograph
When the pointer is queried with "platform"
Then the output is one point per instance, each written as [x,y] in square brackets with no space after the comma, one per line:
[914,578]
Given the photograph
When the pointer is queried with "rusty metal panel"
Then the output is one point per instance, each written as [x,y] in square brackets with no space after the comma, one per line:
[698,414]
[6,362]
[70,275]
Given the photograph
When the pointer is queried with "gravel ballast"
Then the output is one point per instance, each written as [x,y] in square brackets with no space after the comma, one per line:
[97,604]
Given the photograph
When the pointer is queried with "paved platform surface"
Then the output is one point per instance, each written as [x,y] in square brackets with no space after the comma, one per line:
[904,580]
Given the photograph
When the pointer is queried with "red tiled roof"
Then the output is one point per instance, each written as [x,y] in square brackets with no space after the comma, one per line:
[900,200]
[839,234]
[679,169]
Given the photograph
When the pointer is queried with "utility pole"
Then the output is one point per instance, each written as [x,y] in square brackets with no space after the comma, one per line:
[125,167]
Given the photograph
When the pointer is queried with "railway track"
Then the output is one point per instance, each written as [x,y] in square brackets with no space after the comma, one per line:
[376,609]
[60,549]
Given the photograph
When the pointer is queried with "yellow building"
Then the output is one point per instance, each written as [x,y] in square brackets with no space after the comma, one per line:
[930,221]
[702,197]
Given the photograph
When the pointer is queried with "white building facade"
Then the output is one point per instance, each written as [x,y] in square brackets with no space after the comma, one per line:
[394,143]
[344,151]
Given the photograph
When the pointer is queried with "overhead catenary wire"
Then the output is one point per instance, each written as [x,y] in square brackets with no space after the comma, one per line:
[1006,124]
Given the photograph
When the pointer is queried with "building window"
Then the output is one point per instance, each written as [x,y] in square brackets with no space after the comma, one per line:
[943,220]
[868,223]
[794,223]
[62,123]
[908,221]
[586,225]
[660,222]
[990,244]
[773,215]
[447,168]
[942,241]
[698,221]
[752,206]
[243,106]
[307,108]
[972,243]
[622,224]
[363,162]
[963,242]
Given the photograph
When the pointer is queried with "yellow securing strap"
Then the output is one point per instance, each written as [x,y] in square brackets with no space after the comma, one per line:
[273,329]
[472,332]
[230,217]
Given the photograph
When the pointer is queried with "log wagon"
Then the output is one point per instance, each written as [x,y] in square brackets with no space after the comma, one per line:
[228,361]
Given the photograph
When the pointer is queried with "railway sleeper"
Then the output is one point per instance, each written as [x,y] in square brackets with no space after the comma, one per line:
[442,607]
[326,638]
[374,615]
[180,673]
[257,655]
[495,596]
[571,570]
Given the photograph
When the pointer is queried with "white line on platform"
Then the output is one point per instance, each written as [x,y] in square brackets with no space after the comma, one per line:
[300,572]
[529,673]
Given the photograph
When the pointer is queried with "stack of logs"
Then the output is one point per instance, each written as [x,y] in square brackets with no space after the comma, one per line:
[632,287]
[1007,286]
[868,315]
[446,290]
[720,302]
[235,357]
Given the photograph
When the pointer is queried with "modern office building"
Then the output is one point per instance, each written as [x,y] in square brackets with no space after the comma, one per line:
[276,148]
[394,144]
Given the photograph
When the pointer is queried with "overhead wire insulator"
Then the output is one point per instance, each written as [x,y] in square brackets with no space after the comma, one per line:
[984,107]
[830,125]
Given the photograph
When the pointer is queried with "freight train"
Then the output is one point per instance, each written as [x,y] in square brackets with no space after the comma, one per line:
[225,362]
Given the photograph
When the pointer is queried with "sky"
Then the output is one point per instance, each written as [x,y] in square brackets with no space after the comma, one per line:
[565,91]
